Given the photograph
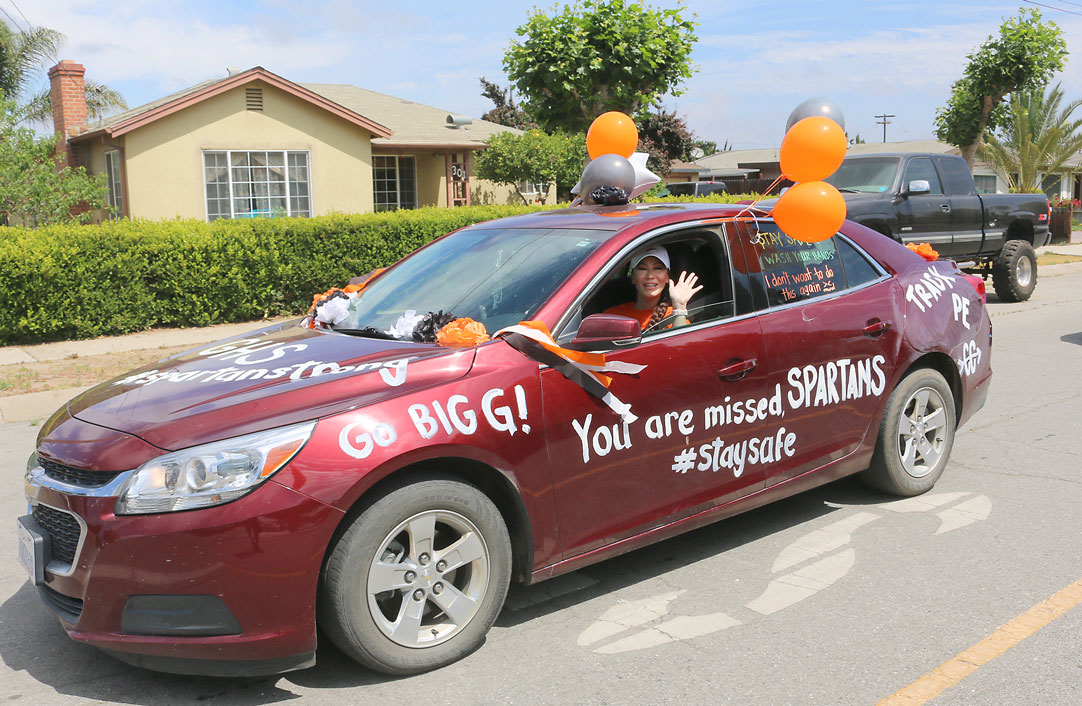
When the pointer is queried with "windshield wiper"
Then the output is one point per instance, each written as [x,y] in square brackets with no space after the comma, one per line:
[849,191]
[367,332]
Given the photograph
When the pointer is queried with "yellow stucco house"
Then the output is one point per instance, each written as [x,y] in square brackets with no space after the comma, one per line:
[256,144]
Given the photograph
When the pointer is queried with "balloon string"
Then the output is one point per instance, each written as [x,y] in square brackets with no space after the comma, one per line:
[757,238]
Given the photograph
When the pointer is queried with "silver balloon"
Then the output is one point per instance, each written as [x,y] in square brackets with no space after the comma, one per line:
[816,106]
[606,170]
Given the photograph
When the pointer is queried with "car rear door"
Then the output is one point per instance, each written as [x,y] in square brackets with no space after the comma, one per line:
[830,344]
[697,403]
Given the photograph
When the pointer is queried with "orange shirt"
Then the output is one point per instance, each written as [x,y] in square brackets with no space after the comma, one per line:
[641,315]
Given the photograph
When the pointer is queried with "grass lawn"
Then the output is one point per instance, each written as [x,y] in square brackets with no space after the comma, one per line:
[1054,259]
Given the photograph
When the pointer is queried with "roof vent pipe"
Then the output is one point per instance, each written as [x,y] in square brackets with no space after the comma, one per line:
[457,121]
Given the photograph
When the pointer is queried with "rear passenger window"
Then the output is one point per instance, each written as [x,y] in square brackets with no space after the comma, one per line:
[793,270]
[956,176]
[857,268]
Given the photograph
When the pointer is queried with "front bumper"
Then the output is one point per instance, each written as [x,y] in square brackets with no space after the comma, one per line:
[226,590]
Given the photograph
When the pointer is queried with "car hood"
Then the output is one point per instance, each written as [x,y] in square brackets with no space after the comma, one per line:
[276,376]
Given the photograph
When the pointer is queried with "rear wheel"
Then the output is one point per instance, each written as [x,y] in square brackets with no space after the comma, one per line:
[1014,271]
[418,578]
[915,436]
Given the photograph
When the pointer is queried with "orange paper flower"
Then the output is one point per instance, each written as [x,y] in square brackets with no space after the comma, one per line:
[924,250]
[462,332]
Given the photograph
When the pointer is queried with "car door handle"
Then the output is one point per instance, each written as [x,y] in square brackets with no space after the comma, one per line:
[738,368]
[876,327]
[945,207]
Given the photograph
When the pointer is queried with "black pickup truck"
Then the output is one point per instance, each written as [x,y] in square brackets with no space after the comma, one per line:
[931,198]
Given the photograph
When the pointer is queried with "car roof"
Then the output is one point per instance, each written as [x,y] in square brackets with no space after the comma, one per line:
[616,218]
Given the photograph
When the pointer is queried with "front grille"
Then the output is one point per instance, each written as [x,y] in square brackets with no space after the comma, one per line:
[66,607]
[76,476]
[63,530]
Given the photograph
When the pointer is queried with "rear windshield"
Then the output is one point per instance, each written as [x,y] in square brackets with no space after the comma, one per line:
[872,175]
[496,276]
[685,189]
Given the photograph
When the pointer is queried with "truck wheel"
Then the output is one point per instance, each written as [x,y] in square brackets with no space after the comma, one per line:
[1014,271]
[915,435]
[418,578]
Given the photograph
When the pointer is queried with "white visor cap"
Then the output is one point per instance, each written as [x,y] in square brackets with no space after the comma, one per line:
[658,252]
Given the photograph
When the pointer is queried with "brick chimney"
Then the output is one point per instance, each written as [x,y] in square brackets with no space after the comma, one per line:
[68,94]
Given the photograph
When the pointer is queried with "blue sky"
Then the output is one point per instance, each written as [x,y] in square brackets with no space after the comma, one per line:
[756,61]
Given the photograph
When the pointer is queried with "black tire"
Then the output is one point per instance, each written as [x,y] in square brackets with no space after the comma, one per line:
[901,464]
[1014,271]
[375,628]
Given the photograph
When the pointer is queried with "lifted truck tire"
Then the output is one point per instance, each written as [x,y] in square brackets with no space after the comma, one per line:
[1014,271]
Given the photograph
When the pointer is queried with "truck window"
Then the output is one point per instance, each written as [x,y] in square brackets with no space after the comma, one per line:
[682,189]
[922,168]
[955,176]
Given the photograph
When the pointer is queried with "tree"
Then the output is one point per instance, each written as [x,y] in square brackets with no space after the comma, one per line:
[23,53]
[666,138]
[1023,57]
[505,112]
[1038,137]
[705,148]
[34,190]
[597,56]
[535,158]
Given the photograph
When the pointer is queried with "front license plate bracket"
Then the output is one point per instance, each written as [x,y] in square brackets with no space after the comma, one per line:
[33,548]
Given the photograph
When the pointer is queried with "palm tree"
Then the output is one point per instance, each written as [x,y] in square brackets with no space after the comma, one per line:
[25,52]
[1038,138]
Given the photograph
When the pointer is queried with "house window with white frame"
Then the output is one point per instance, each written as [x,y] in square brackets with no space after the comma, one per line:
[116,191]
[254,183]
[985,183]
[394,182]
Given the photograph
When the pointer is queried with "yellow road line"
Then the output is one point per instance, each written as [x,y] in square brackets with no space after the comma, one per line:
[1007,636]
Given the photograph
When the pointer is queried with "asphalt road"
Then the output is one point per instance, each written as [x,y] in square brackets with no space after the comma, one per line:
[839,596]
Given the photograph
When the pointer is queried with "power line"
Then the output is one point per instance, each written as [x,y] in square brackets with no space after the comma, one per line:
[28,22]
[14,22]
[1053,7]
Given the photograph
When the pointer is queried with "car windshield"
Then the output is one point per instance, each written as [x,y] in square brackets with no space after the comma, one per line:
[685,189]
[873,175]
[498,276]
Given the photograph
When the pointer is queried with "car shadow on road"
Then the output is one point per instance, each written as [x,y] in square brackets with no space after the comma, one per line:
[33,641]
[657,559]
[1075,338]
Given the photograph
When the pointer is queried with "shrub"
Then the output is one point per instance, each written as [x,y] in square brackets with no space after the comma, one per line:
[72,281]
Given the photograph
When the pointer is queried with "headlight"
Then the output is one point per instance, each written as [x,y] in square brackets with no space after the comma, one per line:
[32,464]
[211,474]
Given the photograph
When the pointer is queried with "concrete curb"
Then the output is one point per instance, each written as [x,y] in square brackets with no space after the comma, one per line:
[36,405]
[145,340]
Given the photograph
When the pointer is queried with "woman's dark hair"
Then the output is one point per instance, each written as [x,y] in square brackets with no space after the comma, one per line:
[660,310]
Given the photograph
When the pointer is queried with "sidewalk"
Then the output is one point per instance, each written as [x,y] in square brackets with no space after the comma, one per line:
[39,405]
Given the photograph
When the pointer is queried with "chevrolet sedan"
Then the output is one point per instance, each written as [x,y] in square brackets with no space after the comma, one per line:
[204,514]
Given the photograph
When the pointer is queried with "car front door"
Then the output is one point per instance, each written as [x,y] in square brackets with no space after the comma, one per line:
[700,399]
[924,217]
[831,346]
[967,216]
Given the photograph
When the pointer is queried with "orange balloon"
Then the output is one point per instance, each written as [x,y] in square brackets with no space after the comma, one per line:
[612,133]
[811,211]
[813,149]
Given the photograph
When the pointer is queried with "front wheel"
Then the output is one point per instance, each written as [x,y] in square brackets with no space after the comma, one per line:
[915,436]
[1014,271]
[418,578]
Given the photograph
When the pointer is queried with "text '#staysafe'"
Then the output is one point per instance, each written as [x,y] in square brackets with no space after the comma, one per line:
[822,385]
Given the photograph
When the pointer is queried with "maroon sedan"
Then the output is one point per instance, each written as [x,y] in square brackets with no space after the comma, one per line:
[204,514]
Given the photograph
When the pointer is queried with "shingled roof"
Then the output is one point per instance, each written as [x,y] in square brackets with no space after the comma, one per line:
[394,122]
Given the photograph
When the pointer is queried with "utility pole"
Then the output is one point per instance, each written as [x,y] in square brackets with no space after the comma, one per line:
[884,122]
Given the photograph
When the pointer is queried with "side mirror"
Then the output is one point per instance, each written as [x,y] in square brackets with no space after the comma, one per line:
[919,186]
[606,332]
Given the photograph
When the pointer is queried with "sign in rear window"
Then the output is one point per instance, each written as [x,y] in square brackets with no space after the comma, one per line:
[794,270]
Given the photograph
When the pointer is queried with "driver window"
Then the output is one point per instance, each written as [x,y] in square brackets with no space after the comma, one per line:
[922,168]
[702,252]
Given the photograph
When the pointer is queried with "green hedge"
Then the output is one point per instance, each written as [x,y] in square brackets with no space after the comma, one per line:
[69,282]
